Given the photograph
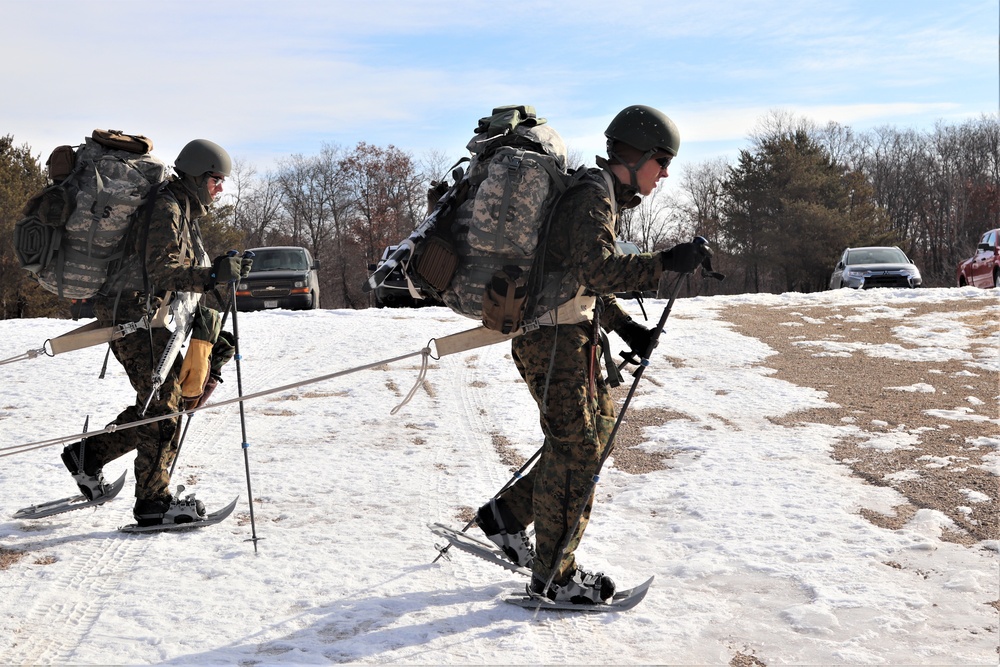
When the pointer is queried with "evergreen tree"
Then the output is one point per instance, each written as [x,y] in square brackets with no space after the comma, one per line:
[791,209]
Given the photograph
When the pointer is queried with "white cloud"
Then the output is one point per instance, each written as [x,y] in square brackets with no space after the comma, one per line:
[268,79]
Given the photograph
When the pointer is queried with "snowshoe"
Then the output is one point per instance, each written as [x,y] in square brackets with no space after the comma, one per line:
[168,510]
[501,528]
[581,587]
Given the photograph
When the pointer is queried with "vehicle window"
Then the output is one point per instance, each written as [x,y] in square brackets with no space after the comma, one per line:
[280,260]
[876,256]
[295,261]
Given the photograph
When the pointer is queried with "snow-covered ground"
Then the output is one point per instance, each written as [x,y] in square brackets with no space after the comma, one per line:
[753,533]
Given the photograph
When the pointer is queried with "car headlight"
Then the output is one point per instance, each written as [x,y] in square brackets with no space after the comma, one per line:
[299,283]
[243,286]
[855,273]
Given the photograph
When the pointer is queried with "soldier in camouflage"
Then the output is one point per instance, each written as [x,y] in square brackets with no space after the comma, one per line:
[559,364]
[166,257]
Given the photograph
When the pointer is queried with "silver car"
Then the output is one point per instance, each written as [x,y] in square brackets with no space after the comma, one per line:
[879,266]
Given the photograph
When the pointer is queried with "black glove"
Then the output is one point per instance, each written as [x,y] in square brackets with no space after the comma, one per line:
[685,257]
[245,264]
[637,337]
[227,269]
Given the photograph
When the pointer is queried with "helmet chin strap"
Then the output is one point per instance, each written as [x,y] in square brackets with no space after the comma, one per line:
[632,168]
[204,194]
[197,186]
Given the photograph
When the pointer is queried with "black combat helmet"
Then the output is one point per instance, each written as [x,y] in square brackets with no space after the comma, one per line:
[645,129]
[202,156]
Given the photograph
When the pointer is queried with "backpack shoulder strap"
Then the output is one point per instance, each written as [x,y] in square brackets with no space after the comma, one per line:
[610,183]
[147,216]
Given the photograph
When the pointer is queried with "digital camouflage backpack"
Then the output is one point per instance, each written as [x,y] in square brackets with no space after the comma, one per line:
[72,231]
[480,259]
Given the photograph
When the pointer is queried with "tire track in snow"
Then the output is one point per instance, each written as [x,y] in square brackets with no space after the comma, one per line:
[57,621]
[66,610]
[466,472]
[474,474]
[214,434]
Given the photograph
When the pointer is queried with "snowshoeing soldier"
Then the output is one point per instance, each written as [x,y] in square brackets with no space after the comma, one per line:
[559,366]
[168,256]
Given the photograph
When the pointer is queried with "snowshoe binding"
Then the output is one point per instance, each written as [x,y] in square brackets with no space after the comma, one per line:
[581,587]
[168,510]
[501,528]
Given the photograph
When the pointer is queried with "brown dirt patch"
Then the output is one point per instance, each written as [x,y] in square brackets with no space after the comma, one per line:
[940,469]
[937,471]
[9,556]
[942,466]
[628,456]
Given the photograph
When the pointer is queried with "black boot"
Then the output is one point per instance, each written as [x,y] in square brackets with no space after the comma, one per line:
[90,479]
[580,587]
[500,526]
[167,509]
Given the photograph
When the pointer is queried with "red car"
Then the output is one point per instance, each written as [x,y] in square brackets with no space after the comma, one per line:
[983,268]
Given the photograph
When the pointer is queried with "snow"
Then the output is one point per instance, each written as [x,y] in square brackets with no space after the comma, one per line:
[753,533]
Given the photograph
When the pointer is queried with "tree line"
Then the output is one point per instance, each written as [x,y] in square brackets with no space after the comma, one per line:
[778,216]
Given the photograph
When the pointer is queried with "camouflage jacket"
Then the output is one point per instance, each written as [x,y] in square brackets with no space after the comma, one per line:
[175,256]
[581,251]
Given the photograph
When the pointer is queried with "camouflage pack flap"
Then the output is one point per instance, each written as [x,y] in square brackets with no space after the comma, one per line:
[69,242]
[516,178]
[481,255]
[539,138]
[118,140]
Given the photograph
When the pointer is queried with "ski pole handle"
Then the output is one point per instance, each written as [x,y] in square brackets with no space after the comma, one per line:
[701,243]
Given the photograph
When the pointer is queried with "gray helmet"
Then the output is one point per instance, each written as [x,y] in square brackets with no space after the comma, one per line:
[202,156]
[645,129]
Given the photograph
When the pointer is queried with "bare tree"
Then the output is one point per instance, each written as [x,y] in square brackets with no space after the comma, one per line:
[702,187]
[649,225]
[386,195]
[317,199]
[256,204]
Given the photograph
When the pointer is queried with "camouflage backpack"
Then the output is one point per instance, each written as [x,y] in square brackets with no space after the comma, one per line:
[72,231]
[481,262]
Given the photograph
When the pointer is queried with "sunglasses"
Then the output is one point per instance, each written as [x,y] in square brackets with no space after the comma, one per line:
[664,162]
[219,180]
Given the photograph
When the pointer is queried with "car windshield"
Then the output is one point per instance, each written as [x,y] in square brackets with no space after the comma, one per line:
[279,260]
[876,256]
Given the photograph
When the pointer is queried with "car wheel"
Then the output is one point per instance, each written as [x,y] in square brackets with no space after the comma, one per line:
[996,278]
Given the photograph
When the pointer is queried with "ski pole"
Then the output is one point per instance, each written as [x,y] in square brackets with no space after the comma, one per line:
[443,551]
[239,392]
[609,447]
[187,424]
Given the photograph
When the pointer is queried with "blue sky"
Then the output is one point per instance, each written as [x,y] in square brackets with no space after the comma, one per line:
[271,79]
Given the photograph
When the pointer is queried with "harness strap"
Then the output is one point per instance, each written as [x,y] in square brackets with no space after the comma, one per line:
[578,309]
[90,334]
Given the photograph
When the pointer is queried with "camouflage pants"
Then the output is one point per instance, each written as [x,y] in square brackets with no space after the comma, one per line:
[155,444]
[576,425]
